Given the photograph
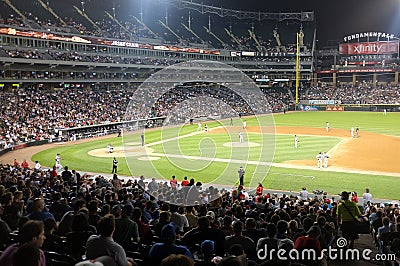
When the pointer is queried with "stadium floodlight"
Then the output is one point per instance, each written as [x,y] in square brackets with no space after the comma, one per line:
[83,6]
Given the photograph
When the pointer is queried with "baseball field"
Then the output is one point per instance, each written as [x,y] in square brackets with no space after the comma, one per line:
[267,153]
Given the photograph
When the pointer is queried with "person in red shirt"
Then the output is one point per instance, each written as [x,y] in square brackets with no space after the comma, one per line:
[354,197]
[24,164]
[16,164]
[259,189]
[309,242]
[173,182]
[184,182]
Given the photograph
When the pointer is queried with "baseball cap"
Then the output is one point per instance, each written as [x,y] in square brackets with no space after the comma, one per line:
[211,214]
[207,247]
[345,195]
[168,232]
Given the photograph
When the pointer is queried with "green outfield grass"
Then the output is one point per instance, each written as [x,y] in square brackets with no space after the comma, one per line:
[201,146]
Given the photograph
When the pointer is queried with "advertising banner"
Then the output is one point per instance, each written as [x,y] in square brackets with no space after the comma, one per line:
[388,47]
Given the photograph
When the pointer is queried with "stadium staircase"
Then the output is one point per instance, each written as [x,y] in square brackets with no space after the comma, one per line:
[83,14]
[216,37]
[192,32]
[52,12]
[144,26]
[170,30]
[113,19]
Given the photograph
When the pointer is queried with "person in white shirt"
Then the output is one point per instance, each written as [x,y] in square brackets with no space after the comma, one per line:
[326,158]
[296,141]
[37,166]
[240,137]
[367,197]
[319,158]
[304,194]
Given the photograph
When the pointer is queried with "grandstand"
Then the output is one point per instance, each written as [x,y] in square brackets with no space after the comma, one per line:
[70,71]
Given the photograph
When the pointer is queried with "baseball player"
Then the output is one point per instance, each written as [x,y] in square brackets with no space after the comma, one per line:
[199,126]
[357,132]
[326,157]
[58,162]
[296,141]
[352,132]
[384,111]
[244,124]
[327,127]
[241,137]
[205,128]
[319,159]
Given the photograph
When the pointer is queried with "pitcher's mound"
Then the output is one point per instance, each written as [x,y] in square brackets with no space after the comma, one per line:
[241,144]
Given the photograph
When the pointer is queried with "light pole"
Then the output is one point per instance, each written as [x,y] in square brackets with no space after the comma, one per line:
[83,6]
[113,11]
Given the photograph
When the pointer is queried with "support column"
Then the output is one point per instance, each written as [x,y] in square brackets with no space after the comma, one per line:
[334,79]
[354,79]
[396,78]
[374,78]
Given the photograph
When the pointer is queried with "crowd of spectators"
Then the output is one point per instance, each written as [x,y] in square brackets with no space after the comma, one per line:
[139,221]
[363,93]
[37,114]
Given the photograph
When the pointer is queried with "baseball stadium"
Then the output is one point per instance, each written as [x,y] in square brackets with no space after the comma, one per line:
[171,132]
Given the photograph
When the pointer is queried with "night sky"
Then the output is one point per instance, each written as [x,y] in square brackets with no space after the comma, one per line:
[335,18]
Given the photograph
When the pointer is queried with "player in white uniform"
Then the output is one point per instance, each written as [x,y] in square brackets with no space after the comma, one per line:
[296,141]
[241,137]
[58,162]
[319,159]
[110,149]
[244,124]
[326,158]
[199,126]
[327,127]
[384,111]
[352,132]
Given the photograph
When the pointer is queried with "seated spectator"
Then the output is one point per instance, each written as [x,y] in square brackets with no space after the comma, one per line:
[52,242]
[76,239]
[126,230]
[270,241]
[207,253]
[202,232]
[4,231]
[174,260]
[27,255]
[39,212]
[310,242]
[159,251]
[58,208]
[31,232]
[247,244]
[384,228]
[144,229]
[104,245]
[251,230]
[165,218]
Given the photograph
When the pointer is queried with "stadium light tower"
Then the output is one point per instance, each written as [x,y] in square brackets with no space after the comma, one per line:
[297,68]
[83,6]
